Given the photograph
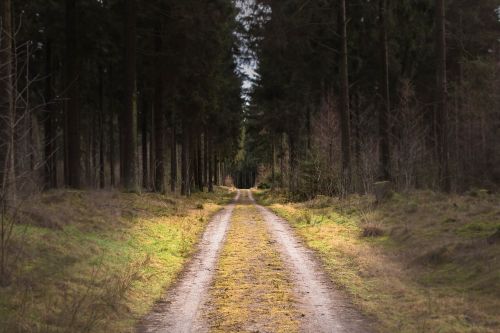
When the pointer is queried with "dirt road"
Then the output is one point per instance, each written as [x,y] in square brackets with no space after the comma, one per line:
[252,274]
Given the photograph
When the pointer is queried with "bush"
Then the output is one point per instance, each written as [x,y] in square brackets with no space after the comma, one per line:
[263,186]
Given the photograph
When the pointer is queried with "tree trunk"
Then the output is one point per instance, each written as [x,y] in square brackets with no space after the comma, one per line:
[130,117]
[102,181]
[72,109]
[210,165]
[442,89]
[199,165]
[273,164]
[216,168]
[344,99]
[173,156]
[185,170]
[385,110]
[159,117]
[111,137]
[49,124]
[7,103]
[144,143]
[205,158]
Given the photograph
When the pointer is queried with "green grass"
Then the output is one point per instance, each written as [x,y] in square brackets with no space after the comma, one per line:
[432,270]
[97,261]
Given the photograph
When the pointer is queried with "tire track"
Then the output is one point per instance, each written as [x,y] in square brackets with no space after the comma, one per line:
[324,309]
[179,311]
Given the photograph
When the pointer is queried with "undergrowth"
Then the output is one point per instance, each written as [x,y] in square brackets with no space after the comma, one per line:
[421,262]
[97,261]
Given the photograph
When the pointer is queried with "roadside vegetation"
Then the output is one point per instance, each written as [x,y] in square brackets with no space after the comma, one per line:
[96,261]
[420,262]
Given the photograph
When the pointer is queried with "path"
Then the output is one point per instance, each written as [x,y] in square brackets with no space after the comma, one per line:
[251,274]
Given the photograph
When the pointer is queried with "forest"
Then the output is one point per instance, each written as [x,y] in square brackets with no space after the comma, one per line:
[134,133]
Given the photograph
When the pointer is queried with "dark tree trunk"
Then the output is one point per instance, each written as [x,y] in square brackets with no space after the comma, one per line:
[185,170]
[442,89]
[210,164]
[7,104]
[111,137]
[173,156]
[273,163]
[72,109]
[216,167]
[199,164]
[385,109]
[144,142]
[205,158]
[159,118]
[102,182]
[130,116]
[344,98]
[49,124]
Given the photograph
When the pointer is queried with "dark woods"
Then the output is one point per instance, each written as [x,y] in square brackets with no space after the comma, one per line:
[355,92]
[100,94]
[146,95]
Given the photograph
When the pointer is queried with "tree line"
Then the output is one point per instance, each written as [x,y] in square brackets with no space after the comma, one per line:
[354,92]
[118,93]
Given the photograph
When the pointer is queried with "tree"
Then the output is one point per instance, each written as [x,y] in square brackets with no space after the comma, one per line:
[442,93]
[159,116]
[7,103]
[72,106]
[129,118]
[344,97]
[385,110]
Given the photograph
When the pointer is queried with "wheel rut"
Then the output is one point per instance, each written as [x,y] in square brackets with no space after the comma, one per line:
[252,274]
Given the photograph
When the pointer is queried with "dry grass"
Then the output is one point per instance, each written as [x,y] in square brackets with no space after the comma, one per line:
[433,270]
[251,292]
[97,261]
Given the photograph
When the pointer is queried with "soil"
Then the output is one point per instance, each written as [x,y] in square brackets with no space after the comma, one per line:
[314,302]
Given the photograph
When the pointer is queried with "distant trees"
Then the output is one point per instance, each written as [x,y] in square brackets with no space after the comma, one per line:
[348,92]
[114,78]
[378,100]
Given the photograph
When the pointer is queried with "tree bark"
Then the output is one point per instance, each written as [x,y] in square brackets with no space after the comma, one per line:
[199,165]
[49,123]
[145,143]
[185,170]
[111,137]
[344,98]
[130,117]
[159,117]
[173,156]
[7,103]
[385,110]
[210,164]
[102,180]
[72,109]
[442,89]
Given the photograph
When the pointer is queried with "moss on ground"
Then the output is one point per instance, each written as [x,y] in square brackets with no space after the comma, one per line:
[432,270]
[97,261]
[251,291]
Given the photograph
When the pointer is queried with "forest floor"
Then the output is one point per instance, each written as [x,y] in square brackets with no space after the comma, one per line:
[96,261]
[253,275]
[420,262]
[104,261]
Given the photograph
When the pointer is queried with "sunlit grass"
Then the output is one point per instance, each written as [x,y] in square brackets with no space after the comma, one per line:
[432,269]
[102,261]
